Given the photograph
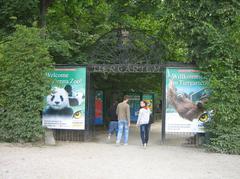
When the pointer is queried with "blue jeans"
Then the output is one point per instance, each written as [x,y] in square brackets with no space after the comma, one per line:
[113,126]
[123,126]
[144,132]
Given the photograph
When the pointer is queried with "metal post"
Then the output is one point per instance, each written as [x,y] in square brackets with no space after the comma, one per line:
[88,107]
[163,137]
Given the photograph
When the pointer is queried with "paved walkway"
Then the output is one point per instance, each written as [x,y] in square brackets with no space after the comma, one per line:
[101,160]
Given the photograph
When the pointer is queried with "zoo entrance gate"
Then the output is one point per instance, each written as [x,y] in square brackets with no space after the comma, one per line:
[88,132]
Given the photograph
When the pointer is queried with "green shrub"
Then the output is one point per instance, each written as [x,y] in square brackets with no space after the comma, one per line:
[224,81]
[223,71]
[211,32]
[24,60]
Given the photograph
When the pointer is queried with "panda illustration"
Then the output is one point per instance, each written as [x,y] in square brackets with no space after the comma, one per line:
[75,98]
[80,97]
[58,103]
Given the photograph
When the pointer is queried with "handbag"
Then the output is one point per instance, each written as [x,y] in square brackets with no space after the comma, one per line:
[151,120]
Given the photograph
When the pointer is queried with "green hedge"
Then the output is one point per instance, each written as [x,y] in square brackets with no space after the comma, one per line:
[24,60]
[211,32]
[224,129]
[223,71]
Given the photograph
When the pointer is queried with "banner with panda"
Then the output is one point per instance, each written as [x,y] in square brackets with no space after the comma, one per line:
[65,106]
[186,95]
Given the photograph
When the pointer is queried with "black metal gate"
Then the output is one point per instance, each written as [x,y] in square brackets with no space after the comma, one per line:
[121,51]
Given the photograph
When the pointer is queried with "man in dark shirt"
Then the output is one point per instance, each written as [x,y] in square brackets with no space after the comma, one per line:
[113,125]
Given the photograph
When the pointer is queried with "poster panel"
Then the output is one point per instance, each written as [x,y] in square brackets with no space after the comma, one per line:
[134,103]
[98,108]
[65,105]
[149,99]
[186,94]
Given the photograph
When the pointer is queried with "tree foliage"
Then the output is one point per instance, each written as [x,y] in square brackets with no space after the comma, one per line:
[13,12]
[81,24]
[211,31]
[204,32]
[24,60]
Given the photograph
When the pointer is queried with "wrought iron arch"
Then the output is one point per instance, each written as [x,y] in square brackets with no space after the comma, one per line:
[126,46]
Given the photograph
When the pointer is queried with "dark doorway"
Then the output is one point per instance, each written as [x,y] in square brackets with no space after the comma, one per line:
[114,86]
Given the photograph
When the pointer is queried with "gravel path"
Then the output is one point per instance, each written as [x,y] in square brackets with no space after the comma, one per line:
[101,160]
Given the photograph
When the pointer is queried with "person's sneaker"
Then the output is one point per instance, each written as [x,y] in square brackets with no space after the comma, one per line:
[145,146]
[117,143]
[126,144]
[109,137]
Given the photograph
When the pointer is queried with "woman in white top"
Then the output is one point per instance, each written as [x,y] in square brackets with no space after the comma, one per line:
[143,122]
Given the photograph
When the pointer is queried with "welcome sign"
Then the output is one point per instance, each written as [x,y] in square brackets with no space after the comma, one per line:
[65,105]
[186,94]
